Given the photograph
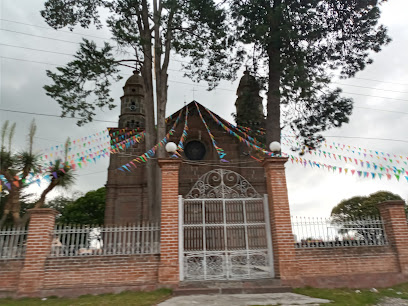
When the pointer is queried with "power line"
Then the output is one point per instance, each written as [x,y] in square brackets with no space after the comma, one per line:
[50,115]
[369,138]
[48,28]
[353,93]
[7,45]
[382,110]
[92,173]
[45,37]
[106,38]
[381,81]
[23,60]
[197,85]
[370,87]
[45,63]
[329,136]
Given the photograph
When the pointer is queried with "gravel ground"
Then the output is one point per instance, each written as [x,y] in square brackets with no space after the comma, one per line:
[388,301]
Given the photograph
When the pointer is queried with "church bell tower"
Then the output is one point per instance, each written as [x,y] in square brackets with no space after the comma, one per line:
[132,112]
[249,103]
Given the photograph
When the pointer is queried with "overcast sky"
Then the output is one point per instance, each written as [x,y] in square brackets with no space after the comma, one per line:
[380,93]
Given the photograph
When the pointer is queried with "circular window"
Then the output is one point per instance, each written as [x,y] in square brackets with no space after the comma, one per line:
[195,150]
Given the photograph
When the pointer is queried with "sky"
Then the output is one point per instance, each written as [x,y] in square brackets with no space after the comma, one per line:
[378,123]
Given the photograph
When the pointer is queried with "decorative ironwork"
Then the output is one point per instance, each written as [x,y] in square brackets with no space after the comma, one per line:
[222,184]
[310,232]
[224,232]
[111,240]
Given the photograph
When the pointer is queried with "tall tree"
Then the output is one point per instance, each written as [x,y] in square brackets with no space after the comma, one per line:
[301,43]
[195,29]
[361,207]
[88,209]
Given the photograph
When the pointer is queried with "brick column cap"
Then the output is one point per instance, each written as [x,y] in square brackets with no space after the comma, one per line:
[274,161]
[391,203]
[43,211]
[169,163]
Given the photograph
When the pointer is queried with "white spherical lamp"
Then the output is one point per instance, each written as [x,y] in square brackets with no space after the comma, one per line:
[171,147]
[275,146]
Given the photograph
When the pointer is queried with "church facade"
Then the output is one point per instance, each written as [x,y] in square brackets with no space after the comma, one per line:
[127,194]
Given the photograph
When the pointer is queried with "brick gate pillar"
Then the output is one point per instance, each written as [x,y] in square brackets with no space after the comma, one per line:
[169,235]
[396,229]
[281,227]
[40,228]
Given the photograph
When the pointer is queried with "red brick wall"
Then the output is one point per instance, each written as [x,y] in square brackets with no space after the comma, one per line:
[169,237]
[354,267]
[99,274]
[9,274]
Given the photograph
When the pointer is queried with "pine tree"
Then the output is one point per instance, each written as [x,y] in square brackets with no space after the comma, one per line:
[302,44]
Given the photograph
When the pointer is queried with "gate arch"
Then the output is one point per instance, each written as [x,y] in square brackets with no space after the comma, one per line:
[224,229]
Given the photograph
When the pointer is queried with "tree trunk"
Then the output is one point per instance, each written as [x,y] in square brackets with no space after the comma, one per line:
[3,219]
[150,137]
[40,203]
[273,129]
[15,207]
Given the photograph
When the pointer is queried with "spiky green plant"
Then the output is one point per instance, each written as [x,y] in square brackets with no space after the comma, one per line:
[61,174]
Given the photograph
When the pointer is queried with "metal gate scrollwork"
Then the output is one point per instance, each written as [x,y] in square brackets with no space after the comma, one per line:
[224,230]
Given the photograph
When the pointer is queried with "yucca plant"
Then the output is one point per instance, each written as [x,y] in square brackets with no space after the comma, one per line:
[17,167]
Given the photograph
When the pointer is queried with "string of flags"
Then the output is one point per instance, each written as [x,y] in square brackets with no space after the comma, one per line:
[239,129]
[180,146]
[366,153]
[377,164]
[124,144]
[219,150]
[362,174]
[152,152]
[241,139]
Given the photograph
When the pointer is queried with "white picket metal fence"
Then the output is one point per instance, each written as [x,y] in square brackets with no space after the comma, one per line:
[71,241]
[312,232]
[13,242]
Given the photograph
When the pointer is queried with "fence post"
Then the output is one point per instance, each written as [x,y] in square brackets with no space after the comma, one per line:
[396,229]
[41,226]
[169,234]
[281,227]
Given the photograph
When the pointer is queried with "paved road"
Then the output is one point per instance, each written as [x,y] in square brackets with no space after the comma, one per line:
[287,299]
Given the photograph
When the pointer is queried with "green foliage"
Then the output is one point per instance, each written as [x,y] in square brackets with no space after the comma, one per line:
[196,28]
[88,209]
[72,87]
[361,207]
[59,202]
[346,297]
[301,43]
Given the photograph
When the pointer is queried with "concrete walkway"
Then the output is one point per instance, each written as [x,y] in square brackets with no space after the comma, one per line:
[243,300]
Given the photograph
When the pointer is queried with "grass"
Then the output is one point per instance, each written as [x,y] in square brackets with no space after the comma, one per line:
[124,298]
[348,297]
[340,297]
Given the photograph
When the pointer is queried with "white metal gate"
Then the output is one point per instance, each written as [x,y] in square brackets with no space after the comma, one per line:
[224,230]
